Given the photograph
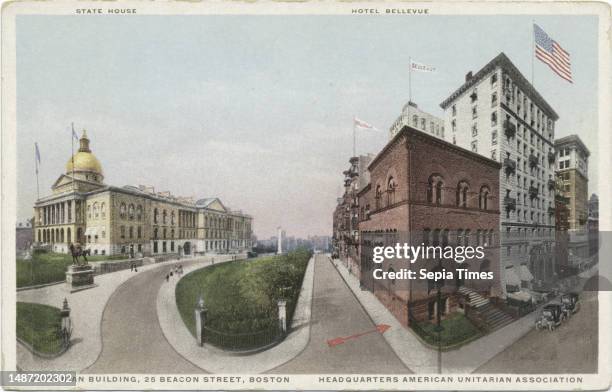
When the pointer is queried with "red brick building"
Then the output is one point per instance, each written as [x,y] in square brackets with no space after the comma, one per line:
[424,190]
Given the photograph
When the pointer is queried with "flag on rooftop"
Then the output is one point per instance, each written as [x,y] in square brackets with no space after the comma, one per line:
[551,53]
[74,135]
[363,125]
[419,67]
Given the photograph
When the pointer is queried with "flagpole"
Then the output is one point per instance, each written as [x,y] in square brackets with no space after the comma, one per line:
[354,139]
[409,79]
[72,145]
[36,163]
[532,50]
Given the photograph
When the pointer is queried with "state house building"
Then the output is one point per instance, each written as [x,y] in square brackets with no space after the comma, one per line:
[132,220]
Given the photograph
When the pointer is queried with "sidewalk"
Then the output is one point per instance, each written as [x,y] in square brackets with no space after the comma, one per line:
[214,360]
[87,308]
[422,359]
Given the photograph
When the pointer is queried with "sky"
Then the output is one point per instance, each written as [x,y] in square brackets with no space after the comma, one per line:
[257,110]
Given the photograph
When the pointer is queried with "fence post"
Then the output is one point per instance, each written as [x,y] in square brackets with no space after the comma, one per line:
[66,323]
[200,319]
[282,315]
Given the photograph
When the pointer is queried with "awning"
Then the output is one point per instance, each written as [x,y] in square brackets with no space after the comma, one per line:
[522,296]
[525,273]
[512,278]
[91,231]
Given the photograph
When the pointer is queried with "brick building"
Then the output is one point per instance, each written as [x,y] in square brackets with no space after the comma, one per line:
[424,190]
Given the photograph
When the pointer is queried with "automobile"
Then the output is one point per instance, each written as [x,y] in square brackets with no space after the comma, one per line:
[551,317]
[570,303]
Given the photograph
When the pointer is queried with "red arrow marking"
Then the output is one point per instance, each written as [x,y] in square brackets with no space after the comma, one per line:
[382,328]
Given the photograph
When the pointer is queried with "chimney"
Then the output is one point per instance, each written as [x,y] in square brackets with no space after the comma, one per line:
[468,76]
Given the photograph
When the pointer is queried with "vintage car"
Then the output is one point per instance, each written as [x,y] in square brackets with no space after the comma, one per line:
[551,317]
[570,303]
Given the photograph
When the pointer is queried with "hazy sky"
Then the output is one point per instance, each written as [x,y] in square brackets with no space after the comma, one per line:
[258,110]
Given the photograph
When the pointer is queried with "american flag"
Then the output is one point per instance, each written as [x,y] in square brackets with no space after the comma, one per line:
[551,53]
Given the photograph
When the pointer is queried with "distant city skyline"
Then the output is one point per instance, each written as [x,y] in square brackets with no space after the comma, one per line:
[258,110]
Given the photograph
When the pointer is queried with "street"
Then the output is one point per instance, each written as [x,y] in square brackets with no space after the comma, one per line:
[337,313]
[571,348]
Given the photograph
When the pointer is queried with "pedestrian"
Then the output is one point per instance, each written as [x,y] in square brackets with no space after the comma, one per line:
[131,267]
[167,277]
[170,273]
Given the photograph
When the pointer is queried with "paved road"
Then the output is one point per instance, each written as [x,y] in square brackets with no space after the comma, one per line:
[336,312]
[572,348]
[132,340]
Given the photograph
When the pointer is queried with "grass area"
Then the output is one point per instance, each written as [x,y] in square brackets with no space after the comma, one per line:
[39,326]
[49,267]
[457,328]
[241,296]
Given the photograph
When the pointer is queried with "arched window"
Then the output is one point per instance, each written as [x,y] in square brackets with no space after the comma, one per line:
[378,196]
[415,121]
[131,211]
[434,189]
[95,210]
[139,212]
[391,185]
[68,235]
[155,215]
[164,217]
[462,191]
[172,217]
[122,210]
[483,197]
[103,210]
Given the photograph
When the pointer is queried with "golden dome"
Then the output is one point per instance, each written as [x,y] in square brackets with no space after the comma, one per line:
[84,160]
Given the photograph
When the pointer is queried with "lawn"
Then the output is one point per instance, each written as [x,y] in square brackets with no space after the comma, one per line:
[457,328]
[49,267]
[39,326]
[241,297]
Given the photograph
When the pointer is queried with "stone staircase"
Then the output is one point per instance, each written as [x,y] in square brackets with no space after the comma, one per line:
[492,316]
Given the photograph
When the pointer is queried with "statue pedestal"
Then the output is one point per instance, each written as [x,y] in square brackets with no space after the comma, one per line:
[80,277]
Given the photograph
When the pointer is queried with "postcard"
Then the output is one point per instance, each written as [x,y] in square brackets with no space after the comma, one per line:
[305,195]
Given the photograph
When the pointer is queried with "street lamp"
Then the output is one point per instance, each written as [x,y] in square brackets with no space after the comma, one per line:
[66,322]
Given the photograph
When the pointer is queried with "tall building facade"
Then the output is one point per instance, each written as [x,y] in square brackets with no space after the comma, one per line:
[424,191]
[345,237]
[572,172]
[497,113]
[132,220]
[416,118]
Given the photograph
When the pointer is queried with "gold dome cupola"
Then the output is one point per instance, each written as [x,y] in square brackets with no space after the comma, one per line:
[84,163]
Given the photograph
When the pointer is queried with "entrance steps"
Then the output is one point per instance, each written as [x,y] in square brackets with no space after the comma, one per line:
[493,317]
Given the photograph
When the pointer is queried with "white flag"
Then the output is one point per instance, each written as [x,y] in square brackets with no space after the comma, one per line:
[363,125]
[414,66]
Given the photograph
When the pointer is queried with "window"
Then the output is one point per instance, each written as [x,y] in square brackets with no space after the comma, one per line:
[462,191]
[423,124]
[483,197]
[122,210]
[493,119]
[139,231]
[474,130]
[102,211]
[426,235]
[391,185]
[454,110]
[378,196]
[415,121]
[493,79]
[493,99]
[436,237]
[139,212]
[475,146]
[164,217]
[454,125]
[434,189]
[459,237]
[474,96]
[131,211]
[131,231]
[494,137]
[494,154]
[155,215]
[155,233]
[95,211]
[172,218]
[474,112]
[122,231]
[89,211]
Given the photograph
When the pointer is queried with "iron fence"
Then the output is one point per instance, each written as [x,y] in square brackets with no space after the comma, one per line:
[243,341]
